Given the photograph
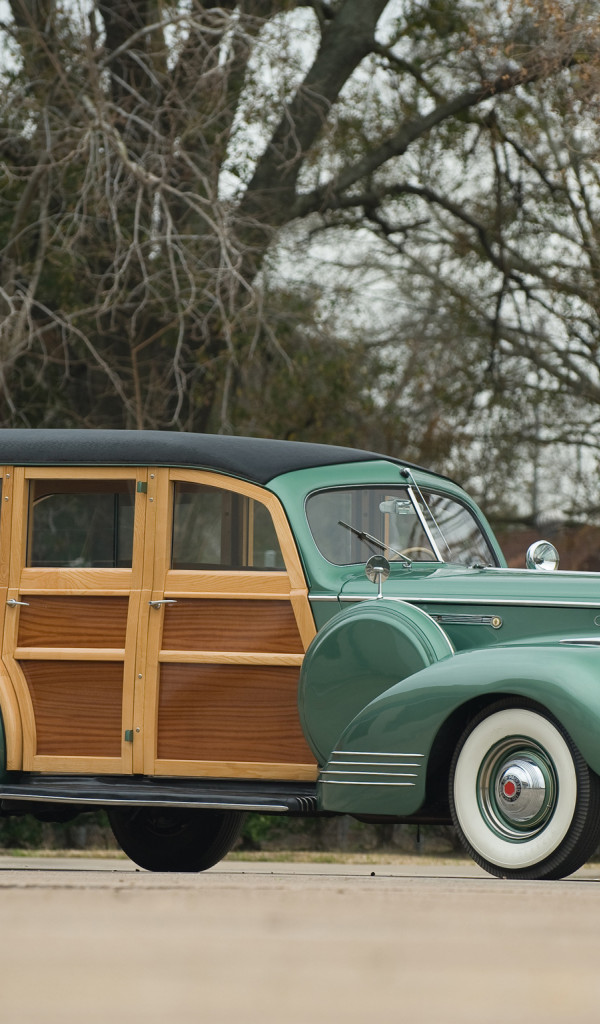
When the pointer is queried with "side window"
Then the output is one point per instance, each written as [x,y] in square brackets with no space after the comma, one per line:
[214,529]
[81,523]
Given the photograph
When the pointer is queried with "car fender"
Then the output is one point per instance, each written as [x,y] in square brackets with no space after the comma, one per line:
[359,654]
[379,765]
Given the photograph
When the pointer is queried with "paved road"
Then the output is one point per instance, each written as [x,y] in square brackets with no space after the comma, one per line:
[99,941]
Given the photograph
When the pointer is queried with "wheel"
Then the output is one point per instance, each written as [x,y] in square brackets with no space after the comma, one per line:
[174,838]
[522,799]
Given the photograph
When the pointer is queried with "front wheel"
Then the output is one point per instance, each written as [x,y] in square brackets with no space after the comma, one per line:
[175,838]
[523,800]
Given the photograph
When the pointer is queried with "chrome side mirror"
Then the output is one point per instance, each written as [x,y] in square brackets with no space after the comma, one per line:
[377,570]
[542,555]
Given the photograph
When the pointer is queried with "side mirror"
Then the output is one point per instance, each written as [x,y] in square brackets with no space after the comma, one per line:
[542,555]
[377,570]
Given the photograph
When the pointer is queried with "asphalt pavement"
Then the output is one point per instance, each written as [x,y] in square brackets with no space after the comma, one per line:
[101,941]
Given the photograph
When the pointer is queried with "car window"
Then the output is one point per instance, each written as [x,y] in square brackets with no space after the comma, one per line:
[349,525]
[216,528]
[81,523]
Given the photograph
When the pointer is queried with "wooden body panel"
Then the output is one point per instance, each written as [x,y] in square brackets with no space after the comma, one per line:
[87,622]
[230,712]
[237,625]
[77,707]
[100,678]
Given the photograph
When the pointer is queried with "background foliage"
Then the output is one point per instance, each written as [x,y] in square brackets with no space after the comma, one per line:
[368,222]
[373,223]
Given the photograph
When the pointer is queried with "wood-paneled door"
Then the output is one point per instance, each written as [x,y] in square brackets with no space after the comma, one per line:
[72,611]
[228,624]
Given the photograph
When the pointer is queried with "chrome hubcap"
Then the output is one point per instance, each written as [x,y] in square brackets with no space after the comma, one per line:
[517,789]
[521,790]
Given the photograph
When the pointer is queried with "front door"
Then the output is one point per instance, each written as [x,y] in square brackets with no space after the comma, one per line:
[228,623]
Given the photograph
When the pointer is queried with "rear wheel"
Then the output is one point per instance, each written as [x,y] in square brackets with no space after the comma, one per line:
[524,802]
[175,838]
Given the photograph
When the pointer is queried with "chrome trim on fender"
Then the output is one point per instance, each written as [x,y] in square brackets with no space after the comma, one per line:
[392,775]
[358,768]
[338,782]
[505,602]
[379,764]
[583,641]
[373,753]
[468,620]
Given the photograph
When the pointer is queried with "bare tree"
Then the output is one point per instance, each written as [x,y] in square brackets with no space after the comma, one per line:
[154,155]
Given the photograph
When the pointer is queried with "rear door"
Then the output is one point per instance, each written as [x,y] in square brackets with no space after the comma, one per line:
[75,589]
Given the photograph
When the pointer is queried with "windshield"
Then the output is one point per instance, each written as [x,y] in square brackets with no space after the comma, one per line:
[401,523]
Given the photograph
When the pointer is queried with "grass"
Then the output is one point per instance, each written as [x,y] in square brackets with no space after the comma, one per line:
[339,857]
[261,856]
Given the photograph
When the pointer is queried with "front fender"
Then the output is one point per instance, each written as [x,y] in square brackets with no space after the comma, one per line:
[380,762]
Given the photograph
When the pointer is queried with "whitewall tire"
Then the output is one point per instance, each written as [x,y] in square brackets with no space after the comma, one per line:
[523,800]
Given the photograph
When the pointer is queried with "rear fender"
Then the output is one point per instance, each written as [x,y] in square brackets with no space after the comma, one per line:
[379,765]
[358,655]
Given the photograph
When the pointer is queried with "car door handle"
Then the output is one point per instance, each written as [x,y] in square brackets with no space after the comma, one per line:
[164,600]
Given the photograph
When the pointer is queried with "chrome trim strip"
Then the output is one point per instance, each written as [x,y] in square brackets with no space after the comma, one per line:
[465,619]
[337,782]
[590,641]
[423,521]
[106,801]
[379,764]
[394,775]
[373,753]
[323,597]
[348,598]
[561,572]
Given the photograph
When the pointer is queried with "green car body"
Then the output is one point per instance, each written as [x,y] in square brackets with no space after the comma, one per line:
[388,685]
[435,683]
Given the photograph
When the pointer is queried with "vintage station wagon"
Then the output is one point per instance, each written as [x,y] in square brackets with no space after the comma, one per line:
[189,633]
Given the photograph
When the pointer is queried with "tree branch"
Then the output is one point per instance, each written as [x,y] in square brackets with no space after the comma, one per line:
[327,196]
[345,42]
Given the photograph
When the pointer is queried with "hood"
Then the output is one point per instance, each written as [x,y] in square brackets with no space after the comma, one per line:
[474,586]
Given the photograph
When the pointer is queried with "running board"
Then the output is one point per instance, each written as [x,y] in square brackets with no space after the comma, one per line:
[144,791]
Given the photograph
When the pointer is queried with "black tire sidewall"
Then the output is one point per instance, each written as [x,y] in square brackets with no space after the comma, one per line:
[197,840]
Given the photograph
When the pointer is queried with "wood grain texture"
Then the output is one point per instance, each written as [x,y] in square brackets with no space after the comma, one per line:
[238,770]
[230,713]
[77,706]
[225,585]
[73,622]
[76,581]
[229,658]
[236,625]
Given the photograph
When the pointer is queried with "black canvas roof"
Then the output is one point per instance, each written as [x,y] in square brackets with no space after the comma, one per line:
[251,458]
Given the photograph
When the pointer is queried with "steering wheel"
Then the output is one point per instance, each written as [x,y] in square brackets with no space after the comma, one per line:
[418,551]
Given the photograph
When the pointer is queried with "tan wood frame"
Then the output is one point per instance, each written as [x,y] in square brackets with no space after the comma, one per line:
[9,701]
[276,585]
[24,581]
[149,579]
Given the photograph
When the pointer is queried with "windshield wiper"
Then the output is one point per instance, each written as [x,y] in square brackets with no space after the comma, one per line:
[374,541]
